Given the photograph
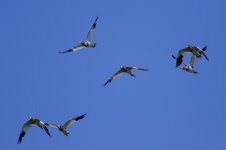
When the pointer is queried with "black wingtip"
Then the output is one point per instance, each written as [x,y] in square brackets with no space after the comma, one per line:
[96,18]
[83,115]
[204,48]
[95,23]
[205,56]
[143,69]
[80,117]
[61,52]
[21,137]
[19,141]
[195,72]
[179,60]
[108,81]
[47,131]
[70,50]
[174,57]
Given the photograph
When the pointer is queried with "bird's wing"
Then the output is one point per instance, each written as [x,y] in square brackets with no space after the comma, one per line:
[174,57]
[202,51]
[46,130]
[75,48]
[25,127]
[41,124]
[71,121]
[184,50]
[51,125]
[205,55]
[117,73]
[91,31]
[180,55]
[108,81]
[136,68]
[192,61]
[78,47]
[204,48]
[114,76]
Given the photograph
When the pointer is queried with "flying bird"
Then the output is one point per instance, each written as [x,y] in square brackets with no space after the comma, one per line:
[84,43]
[28,124]
[124,69]
[190,66]
[195,50]
[63,128]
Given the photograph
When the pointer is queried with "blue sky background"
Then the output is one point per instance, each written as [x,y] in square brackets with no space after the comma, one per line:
[163,109]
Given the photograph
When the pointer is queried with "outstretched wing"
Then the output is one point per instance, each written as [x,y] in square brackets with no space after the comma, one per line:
[46,130]
[174,57]
[185,50]
[136,68]
[204,48]
[91,31]
[205,56]
[71,121]
[180,55]
[114,76]
[25,127]
[41,124]
[75,48]
[51,125]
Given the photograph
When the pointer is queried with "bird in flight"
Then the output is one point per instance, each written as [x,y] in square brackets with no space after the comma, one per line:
[195,50]
[63,128]
[124,69]
[190,66]
[28,124]
[84,43]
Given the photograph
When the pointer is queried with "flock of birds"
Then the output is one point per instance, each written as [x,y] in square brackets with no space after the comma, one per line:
[196,52]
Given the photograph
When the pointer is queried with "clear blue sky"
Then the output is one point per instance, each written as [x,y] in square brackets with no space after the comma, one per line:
[163,109]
